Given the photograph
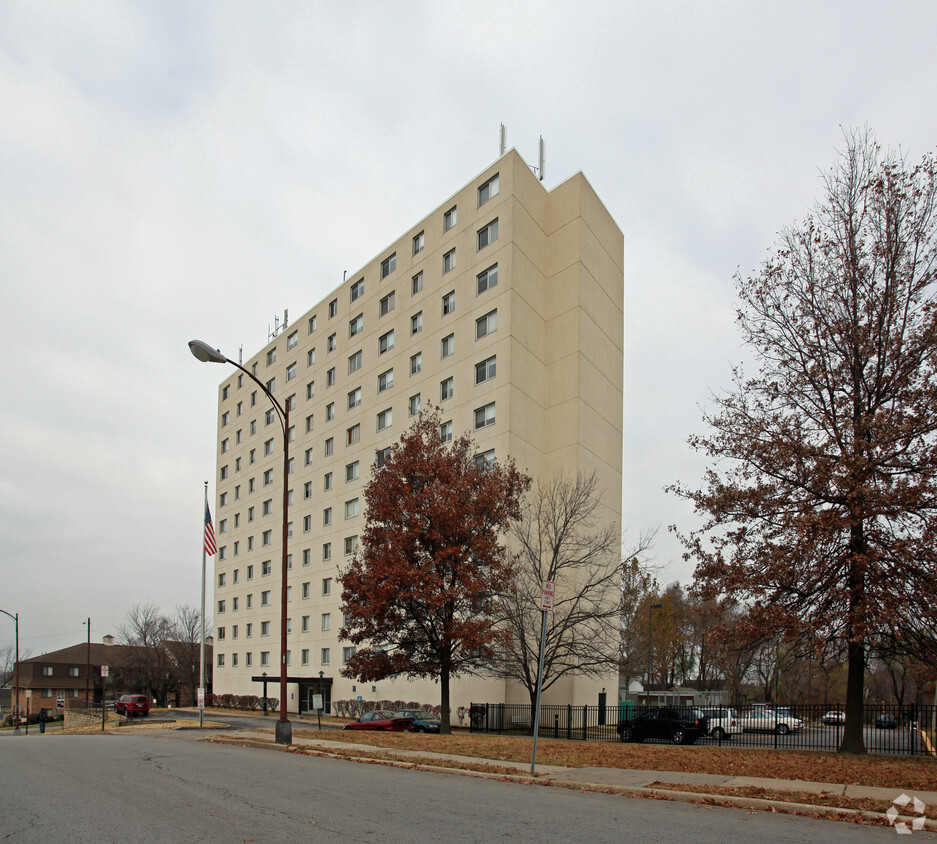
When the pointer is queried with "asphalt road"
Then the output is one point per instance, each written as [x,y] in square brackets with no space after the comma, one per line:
[140,789]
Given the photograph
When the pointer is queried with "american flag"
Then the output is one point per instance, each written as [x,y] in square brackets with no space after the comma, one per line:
[209,533]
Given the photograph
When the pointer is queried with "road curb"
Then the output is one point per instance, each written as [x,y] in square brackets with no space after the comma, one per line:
[763,804]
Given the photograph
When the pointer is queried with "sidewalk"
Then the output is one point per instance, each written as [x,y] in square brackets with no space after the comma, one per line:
[636,782]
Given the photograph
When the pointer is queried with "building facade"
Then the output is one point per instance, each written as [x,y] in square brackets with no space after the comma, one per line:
[504,307]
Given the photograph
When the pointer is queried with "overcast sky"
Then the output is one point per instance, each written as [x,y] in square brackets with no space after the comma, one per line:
[172,170]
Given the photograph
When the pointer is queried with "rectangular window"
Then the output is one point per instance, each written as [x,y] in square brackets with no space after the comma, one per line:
[448,345]
[351,472]
[485,459]
[488,190]
[488,234]
[385,418]
[221,660]
[330,411]
[311,326]
[304,624]
[265,598]
[224,445]
[220,635]
[267,537]
[486,280]
[304,656]
[267,507]
[414,405]
[225,391]
[445,432]
[385,342]
[353,435]
[388,265]
[264,659]
[332,343]
[357,289]
[448,303]
[309,420]
[326,585]
[333,308]
[248,659]
[308,456]
[221,606]
[225,418]
[271,356]
[448,261]
[385,380]
[270,417]
[486,325]
[416,284]
[324,656]
[347,653]
[351,545]
[327,481]
[351,508]
[418,243]
[327,516]
[387,303]
[416,363]
[355,326]
[250,572]
[222,525]
[311,357]
[354,398]
[272,385]
[292,340]
[268,447]
[307,524]
[354,362]
[306,586]
[326,551]
[416,323]
[381,456]
[330,377]
[326,621]
[291,371]
[486,370]
[268,477]
[307,556]
[485,416]
[449,219]
[307,489]
[329,446]
[445,389]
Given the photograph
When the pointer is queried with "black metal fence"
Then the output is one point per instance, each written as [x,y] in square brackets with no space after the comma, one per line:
[886,729]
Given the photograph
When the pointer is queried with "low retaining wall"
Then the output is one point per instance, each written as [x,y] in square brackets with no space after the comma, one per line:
[82,718]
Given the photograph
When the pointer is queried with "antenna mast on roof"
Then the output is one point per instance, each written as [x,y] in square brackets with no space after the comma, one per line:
[503,139]
[543,157]
[277,328]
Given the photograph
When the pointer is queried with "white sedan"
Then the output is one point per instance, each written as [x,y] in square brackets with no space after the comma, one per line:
[767,721]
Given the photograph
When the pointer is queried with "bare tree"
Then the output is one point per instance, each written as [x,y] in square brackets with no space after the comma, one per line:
[561,541]
[184,646]
[8,661]
[146,628]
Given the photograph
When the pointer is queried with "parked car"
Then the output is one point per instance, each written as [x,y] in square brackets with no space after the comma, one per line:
[769,721]
[423,722]
[722,722]
[678,724]
[132,705]
[886,722]
[834,717]
[378,720]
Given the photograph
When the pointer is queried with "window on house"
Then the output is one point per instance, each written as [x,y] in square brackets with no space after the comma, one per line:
[324,656]
[327,481]
[330,411]
[416,283]
[351,544]
[414,405]
[385,418]
[485,459]
[333,308]
[311,324]
[445,389]
[330,377]
[223,473]
[268,447]
[354,398]
[221,660]
[271,356]
[416,323]
[381,456]
[449,219]
[488,190]
[268,477]
[326,551]
[448,345]
[485,416]
[268,507]
[326,585]
[448,261]
[385,380]
[332,343]
[486,325]
[327,516]
[270,417]
[304,656]
[267,537]
[351,472]
[329,446]
[310,357]
[266,567]
[265,598]
[250,572]
[326,621]
[307,524]
[486,370]
[448,303]
[291,372]
[225,391]
[306,586]
[307,556]
[308,456]
[264,659]
[357,289]
[487,235]
[225,418]
[222,525]
[220,635]
[418,243]
[351,508]
[387,303]
[416,363]
[385,342]
[347,653]
[355,325]
[272,385]
[445,431]
[221,607]
[292,340]
[486,280]
[353,435]
[224,445]
[388,265]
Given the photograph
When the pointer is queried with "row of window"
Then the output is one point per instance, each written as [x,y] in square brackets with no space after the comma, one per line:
[324,658]
[350,545]
[49,671]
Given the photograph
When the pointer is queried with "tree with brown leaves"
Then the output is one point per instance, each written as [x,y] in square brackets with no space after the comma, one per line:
[821,503]
[417,596]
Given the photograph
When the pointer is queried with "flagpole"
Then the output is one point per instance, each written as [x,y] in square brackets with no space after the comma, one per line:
[201,661]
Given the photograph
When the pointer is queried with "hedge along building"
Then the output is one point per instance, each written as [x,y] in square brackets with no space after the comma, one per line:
[504,306]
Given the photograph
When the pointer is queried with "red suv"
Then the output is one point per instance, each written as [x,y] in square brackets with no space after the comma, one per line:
[131,705]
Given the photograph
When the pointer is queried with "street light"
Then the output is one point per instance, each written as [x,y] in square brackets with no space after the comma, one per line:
[16,674]
[650,636]
[206,354]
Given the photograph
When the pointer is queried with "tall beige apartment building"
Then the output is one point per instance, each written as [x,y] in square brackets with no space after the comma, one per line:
[504,307]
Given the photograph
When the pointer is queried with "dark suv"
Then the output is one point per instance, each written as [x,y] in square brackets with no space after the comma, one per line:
[678,724]
[131,705]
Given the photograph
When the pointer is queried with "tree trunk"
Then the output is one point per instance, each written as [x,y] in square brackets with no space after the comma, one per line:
[445,725]
[853,735]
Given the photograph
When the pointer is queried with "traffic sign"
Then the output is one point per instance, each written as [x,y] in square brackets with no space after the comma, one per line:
[546,595]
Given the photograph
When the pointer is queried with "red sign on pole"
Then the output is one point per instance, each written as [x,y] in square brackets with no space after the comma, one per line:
[546,596]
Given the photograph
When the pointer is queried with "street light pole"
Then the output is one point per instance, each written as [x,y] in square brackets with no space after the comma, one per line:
[650,636]
[16,673]
[206,354]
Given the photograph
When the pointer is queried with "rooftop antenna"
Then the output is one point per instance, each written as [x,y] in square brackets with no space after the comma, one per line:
[503,137]
[543,157]
[241,353]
